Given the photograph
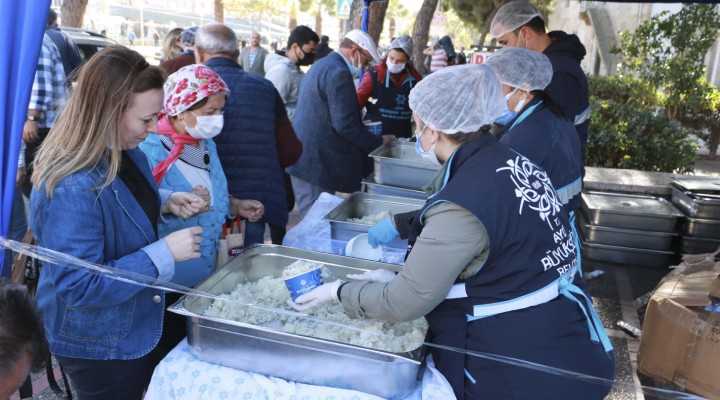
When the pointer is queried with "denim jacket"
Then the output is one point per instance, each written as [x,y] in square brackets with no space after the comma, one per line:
[87,315]
[192,272]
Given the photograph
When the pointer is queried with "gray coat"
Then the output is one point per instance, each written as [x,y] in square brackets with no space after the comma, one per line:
[258,66]
[286,77]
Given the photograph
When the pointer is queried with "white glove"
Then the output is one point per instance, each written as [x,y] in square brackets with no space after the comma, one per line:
[378,275]
[184,205]
[185,243]
[318,296]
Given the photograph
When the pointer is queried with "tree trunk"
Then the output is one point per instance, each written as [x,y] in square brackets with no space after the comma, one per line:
[420,32]
[354,21]
[292,24]
[392,28]
[318,20]
[73,12]
[219,11]
[488,22]
[376,19]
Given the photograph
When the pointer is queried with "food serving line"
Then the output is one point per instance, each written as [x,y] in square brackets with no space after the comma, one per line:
[246,359]
[249,357]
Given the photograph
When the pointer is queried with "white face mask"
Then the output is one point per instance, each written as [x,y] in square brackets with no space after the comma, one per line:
[394,68]
[206,127]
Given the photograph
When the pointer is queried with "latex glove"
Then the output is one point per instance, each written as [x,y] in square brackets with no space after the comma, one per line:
[183,205]
[378,275]
[382,233]
[251,210]
[316,297]
[185,243]
[203,193]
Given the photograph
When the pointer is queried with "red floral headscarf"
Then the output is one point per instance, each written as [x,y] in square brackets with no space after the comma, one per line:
[189,85]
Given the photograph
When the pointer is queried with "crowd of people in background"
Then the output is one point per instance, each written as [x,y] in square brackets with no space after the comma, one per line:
[138,167]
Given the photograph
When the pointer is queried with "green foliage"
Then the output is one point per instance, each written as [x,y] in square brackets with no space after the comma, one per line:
[475,13]
[668,51]
[330,6]
[626,131]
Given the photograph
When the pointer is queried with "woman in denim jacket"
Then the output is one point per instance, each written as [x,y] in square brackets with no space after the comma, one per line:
[94,198]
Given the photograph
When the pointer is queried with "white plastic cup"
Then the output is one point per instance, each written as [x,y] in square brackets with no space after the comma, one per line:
[359,247]
[374,127]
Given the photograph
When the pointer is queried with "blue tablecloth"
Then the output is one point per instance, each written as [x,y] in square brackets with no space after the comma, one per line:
[182,376]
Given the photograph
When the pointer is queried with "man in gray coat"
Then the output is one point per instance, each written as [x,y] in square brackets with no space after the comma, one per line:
[252,58]
[282,68]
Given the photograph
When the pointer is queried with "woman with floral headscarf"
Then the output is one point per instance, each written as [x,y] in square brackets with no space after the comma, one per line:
[184,158]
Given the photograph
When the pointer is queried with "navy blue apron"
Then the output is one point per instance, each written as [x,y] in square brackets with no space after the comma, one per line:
[525,281]
[392,106]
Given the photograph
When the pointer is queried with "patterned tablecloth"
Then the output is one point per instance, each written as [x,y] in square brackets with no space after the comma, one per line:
[182,376]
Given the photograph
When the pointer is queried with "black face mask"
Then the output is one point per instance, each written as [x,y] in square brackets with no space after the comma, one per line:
[308,58]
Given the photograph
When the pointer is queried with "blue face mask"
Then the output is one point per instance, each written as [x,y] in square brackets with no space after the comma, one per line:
[428,155]
[507,115]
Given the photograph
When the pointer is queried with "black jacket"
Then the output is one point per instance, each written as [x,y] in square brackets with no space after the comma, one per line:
[569,86]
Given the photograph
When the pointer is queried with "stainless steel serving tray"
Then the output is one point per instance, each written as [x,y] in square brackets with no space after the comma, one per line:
[371,186]
[359,205]
[624,237]
[646,213]
[697,205]
[700,228]
[697,185]
[626,255]
[290,356]
[691,245]
[396,163]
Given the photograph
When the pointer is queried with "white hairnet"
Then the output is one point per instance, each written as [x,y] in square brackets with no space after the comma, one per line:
[521,68]
[512,16]
[461,98]
[403,43]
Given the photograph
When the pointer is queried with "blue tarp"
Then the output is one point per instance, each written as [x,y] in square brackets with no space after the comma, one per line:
[22,24]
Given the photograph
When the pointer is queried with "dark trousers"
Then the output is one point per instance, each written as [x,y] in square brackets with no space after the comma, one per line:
[124,379]
[108,379]
[30,151]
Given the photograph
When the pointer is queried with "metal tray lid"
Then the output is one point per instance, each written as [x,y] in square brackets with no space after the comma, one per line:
[630,204]
[402,151]
[698,185]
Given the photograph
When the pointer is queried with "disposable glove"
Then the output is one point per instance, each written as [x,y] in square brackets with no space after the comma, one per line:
[318,296]
[378,275]
[382,233]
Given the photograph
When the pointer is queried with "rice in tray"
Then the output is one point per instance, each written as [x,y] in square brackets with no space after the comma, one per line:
[370,219]
[271,292]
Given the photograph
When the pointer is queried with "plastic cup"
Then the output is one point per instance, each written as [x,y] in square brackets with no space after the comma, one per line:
[374,127]
[300,284]
[359,247]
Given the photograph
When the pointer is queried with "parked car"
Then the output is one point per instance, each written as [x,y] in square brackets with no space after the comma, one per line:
[87,41]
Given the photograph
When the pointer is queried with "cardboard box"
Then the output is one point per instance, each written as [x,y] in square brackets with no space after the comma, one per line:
[680,341]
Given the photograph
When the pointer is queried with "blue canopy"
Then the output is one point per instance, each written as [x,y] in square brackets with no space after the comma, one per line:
[22,24]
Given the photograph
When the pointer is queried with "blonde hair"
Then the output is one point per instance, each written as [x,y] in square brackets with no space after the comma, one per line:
[87,129]
[170,47]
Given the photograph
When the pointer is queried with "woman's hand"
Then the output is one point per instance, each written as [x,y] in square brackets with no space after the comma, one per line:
[203,193]
[185,243]
[184,205]
[251,210]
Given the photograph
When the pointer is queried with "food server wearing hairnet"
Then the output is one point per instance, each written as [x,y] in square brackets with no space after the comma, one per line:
[389,84]
[490,258]
[520,24]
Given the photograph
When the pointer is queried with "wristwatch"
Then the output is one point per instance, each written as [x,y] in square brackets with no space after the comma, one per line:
[34,118]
